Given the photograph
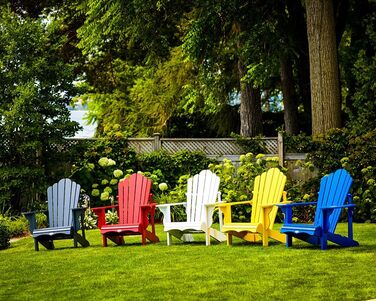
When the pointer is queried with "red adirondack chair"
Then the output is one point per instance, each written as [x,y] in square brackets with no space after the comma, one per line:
[135,207]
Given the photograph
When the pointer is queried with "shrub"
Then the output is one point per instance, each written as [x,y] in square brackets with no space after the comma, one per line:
[17,226]
[111,217]
[237,183]
[90,219]
[4,235]
[103,164]
[172,166]
[344,148]
[41,220]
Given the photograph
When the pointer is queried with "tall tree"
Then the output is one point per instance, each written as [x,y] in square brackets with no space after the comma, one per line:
[36,86]
[325,89]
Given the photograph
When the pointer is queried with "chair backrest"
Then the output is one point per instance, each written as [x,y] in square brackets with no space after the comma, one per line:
[334,189]
[202,189]
[267,190]
[133,192]
[62,198]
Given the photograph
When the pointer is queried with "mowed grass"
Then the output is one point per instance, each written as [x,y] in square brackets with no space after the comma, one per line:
[190,271]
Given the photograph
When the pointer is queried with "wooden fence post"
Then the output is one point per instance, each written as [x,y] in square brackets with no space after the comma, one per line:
[157,142]
[281,150]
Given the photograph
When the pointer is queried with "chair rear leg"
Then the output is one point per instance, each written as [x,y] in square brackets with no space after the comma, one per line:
[265,238]
[288,240]
[324,241]
[207,234]
[36,245]
[229,239]
[168,238]
[104,241]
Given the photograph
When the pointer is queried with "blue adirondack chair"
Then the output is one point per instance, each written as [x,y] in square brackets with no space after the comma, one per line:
[334,191]
[63,216]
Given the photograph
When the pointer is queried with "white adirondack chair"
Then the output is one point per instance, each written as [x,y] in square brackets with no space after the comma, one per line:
[202,196]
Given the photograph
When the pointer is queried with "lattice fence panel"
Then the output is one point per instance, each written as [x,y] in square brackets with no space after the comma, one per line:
[141,145]
[271,145]
[210,147]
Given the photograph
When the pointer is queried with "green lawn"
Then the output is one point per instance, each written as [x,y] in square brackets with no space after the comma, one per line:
[190,271]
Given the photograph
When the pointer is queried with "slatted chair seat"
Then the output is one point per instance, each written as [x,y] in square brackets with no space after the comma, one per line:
[267,192]
[202,196]
[136,212]
[187,227]
[65,218]
[53,231]
[310,229]
[239,227]
[136,228]
[332,197]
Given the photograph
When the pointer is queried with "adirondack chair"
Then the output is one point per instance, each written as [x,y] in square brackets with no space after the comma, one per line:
[267,192]
[202,196]
[334,191]
[135,207]
[64,217]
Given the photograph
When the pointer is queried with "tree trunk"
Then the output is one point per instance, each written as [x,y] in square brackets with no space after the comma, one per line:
[325,91]
[290,102]
[250,107]
[298,30]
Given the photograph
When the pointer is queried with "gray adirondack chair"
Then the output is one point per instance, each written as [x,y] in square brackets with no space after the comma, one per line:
[64,217]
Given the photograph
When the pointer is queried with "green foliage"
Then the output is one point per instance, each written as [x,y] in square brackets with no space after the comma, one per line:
[98,173]
[17,226]
[41,220]
[358,59]
[90,219]
[172,166]
[343,148]
[111,217]
[36,85]
[237,182]
[4,235]
[250,145]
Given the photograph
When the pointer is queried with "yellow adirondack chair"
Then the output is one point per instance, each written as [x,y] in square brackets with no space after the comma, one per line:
[268,191]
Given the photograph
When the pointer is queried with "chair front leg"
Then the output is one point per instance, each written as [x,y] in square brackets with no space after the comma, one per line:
[168,238]
[36,245]
[325,228]
[288,240]
[208,237]
[350,222]
[104,241]
[229,239]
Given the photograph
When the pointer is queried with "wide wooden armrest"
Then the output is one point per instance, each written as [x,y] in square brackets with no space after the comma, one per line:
[98,209]
[30,213]
[286,204]
[214,204]
[337,207]
[272,205]
[171,204]
[149,208]
[30,216]
[149,205]
[101,213]
[225,204]
[77,212]
[78,209]
[166,210]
